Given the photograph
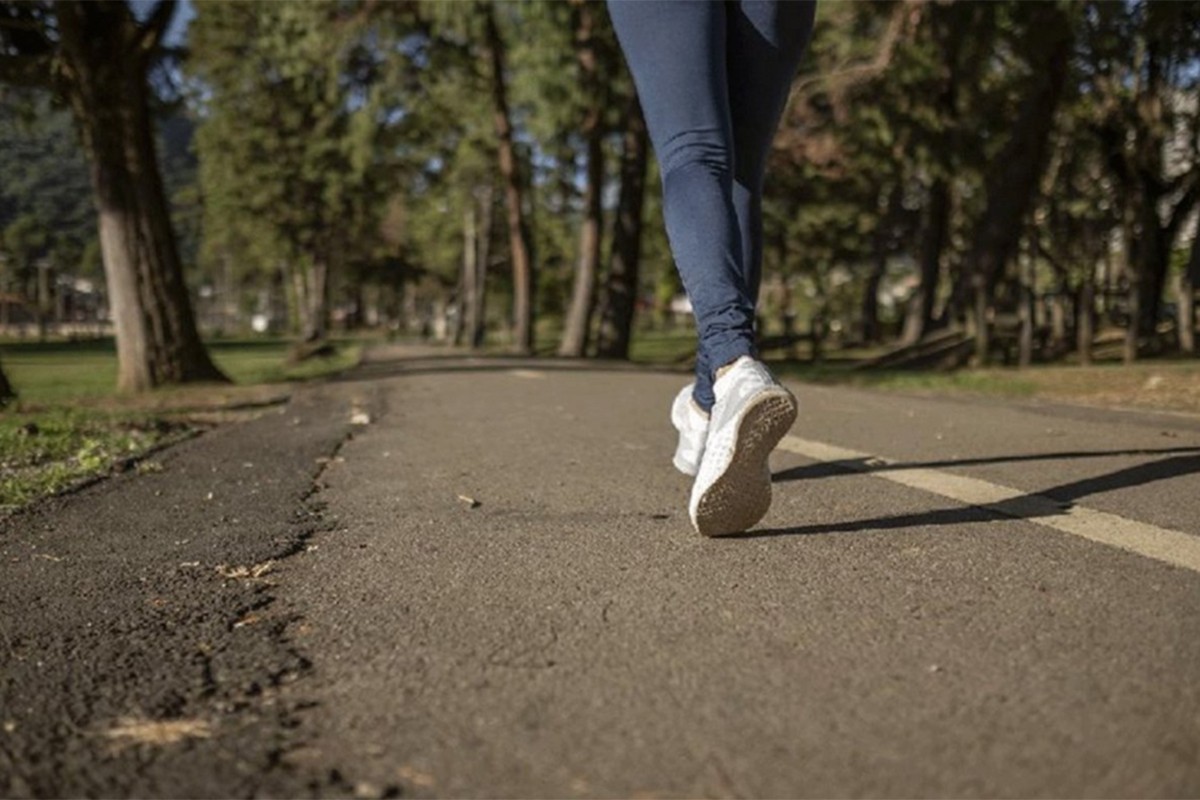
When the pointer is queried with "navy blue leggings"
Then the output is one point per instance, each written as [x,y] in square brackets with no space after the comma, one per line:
[713,77]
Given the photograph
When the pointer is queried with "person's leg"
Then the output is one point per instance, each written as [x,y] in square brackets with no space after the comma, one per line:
[732,490]
[765,40]
[676,52]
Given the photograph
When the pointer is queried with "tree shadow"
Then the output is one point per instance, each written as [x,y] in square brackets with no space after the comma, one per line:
[1049,502]
[828,469]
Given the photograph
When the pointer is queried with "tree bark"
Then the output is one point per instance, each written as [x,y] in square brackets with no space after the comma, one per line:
[919,319]
[1188,282]
[1132,330]
[7,393]
[44,302]
[880,242]
[518,227]
[583,297]
[297,299]
[1026,311]
[316,327]
[621,287]
[468,273]
[105,58]
[1013,178]
[577,328]
[477,305]
[1085,322]
[1139,164]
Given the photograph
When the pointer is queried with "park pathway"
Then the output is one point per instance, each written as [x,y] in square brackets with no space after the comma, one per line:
[484,583]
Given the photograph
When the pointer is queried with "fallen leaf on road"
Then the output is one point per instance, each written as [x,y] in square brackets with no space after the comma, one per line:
[144,731]
[367,791]
[256,571]
[414,776]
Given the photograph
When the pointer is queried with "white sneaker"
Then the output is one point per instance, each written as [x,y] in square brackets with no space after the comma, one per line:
[753,412]
[692,425]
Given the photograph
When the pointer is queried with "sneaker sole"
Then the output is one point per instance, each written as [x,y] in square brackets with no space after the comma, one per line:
[741,496]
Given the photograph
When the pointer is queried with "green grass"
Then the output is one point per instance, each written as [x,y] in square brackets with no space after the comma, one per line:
[58,373]
[262,361]
[664,348]
[45,452]
[69,424]
[963,381]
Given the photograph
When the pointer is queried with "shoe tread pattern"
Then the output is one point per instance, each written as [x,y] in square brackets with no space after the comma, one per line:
[740,497]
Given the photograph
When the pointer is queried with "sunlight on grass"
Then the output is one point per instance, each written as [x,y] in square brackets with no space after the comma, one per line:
[667,348]
[69,424]
[61,372]
[46,451]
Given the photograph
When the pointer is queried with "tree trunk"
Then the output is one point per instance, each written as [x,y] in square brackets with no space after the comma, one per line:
[1132,329]
[1014,175]
[981,331]
[1153,254]
[919,318]
[518,228]
[7,393]
[1058,320]
[889,208]
[45,299]
[316,316]
[1085,323]
[297,297]
[578,324]
[477,305]
[1026,311]
[106,59]
[870,301]
[583,298]
[1188,282]
[621,288]
[468,273]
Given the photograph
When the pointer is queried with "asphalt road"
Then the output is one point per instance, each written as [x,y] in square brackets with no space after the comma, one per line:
[491,588]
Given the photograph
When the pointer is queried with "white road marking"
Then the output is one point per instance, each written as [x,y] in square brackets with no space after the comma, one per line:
[1162,544]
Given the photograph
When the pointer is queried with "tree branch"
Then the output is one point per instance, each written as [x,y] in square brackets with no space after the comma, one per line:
[28,71]
[844,76]
[156,25]
[21,24]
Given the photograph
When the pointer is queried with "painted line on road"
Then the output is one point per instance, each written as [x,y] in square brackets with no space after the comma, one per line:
[1162,544]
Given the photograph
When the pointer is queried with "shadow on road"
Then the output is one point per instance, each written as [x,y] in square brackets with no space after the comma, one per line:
[831,468]
[1033,505]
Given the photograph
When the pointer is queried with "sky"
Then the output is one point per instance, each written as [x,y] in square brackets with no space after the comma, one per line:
[177,33]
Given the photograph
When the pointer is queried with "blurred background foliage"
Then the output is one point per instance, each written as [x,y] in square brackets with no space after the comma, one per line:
[954,182]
